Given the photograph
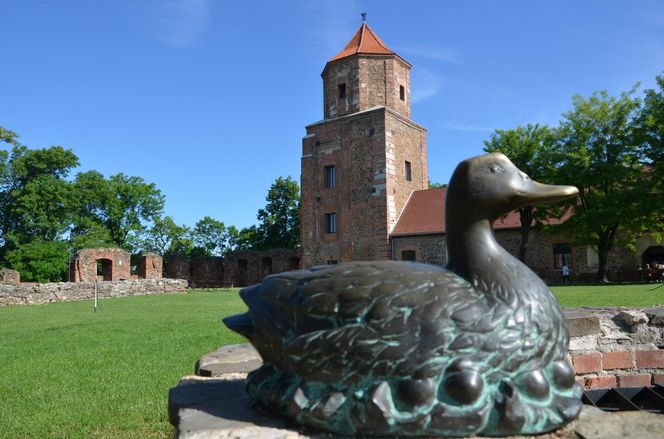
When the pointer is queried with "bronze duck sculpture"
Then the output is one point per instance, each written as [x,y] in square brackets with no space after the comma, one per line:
[409,349]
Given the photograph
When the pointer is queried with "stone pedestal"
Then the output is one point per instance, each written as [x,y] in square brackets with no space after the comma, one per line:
[217,406]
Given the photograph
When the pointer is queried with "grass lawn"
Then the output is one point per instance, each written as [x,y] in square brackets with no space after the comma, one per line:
[70,372]
[610,295]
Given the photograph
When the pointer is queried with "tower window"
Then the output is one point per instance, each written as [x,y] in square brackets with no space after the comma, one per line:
[342,91]
[330,176]
[330,223]
[408,172]
[402,93]
[562,254]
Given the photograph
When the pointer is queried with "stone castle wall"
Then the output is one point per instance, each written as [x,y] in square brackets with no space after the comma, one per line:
[617,347]
[35,294]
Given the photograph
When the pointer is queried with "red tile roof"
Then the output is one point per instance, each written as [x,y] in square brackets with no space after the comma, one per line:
[425,214]
[365,41]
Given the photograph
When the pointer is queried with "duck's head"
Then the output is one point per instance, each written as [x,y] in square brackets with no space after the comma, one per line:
[489,186]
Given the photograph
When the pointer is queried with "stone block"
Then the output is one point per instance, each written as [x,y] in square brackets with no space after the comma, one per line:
[618,360]
[239,358]
[601,382]
[9,277]
[587,362]
[581,326]
[655,315]
[650,359]
[585,343]
[632,317]
[639,380]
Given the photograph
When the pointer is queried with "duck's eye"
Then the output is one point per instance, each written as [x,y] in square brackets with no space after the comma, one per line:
[495,169]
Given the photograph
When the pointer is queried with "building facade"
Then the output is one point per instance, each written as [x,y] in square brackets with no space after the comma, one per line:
[364,180]
[363,160]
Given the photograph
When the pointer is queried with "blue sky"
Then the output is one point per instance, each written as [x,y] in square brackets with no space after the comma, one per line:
[209,99]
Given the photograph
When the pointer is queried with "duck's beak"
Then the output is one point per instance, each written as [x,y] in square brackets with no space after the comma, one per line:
[533,192]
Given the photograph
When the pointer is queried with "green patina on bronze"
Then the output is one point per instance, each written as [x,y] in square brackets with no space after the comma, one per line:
[393,348]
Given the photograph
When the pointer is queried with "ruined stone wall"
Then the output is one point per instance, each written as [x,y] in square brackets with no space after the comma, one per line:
[617,347]
[116,262]
[207,272]
[250,267]
[9,276]
[177,266]
[150,266]
[34,294]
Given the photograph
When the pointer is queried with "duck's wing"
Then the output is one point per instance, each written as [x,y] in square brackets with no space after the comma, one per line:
[384,315]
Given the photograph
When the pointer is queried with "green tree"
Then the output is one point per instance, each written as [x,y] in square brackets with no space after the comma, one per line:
[35,206]
[434,185]
[165,237]
[8,137]
[34,193]
[213,237]
[279,221]
[39,260]
[247,238]
[531,149]
[602,155]
[651,133]
[123,205]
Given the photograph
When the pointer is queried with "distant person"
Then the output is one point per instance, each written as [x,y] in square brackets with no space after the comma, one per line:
[565,273]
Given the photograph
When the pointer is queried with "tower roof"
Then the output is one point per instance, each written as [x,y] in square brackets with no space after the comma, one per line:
[365,41]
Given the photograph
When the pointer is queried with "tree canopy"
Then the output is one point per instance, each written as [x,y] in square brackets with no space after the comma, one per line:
[279,221]
[44,216]
[601,155]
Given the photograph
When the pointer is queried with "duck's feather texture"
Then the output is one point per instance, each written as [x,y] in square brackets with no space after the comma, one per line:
[354,326]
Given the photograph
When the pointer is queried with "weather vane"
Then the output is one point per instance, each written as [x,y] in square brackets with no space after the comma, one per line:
[364,17]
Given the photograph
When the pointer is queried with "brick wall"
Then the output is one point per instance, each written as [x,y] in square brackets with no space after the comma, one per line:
[115,262]
[617,347]
[150,266]
[250,267]
[370,80]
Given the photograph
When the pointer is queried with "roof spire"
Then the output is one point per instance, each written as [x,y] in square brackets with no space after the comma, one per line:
[364,17]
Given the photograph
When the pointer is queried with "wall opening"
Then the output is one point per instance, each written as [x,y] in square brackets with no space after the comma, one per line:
[241,272]
[293,263]
[104,269]
[266,262]
[342,91]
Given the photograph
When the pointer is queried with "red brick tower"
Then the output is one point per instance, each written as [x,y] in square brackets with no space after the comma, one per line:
[363,160]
